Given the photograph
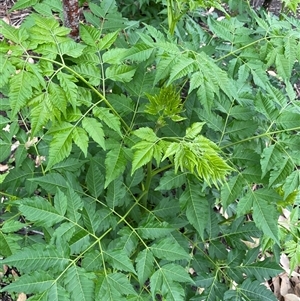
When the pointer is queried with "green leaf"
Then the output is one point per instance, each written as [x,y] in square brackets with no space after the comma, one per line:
[121,283]
[21,4]
[169,249]
[177,273]
[281,171]
[29,259]
[196,207]
[11,226]
[105,115]
[67,82]
[9,244]
[95,180]
[231,190]
[71,48]
[146,134]
[79,283]
[292,183]
[122,73]
[139,52]
[262,270]
[152,229]
[31,283]
[184,66]
[60,146]
[194,130]
[94,129]
[107,40]
[253,291]
[144,265]
[20,92]
[265,217]
[115,163]
[116,192]
[81,139]
[170,180]
[289,120]
[40,211]
[90,35]
[269,157]
[119,260]
[161,283]
[143,154]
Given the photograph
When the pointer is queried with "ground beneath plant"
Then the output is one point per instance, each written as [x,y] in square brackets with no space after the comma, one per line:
[286,286]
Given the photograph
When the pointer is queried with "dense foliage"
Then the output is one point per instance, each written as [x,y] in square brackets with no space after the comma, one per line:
[152,158]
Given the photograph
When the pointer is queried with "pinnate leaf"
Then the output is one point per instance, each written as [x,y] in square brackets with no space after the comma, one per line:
[80,284]
[119,260]
[60,146]
[94,129]
[144,265]
[169,249]
[115,163]
[40,211]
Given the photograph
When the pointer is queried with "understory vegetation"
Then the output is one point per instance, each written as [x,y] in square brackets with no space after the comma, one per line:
[152,158]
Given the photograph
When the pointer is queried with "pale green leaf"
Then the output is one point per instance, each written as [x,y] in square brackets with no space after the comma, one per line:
[75,204]
[184,66]
[21,4]
[89,34]
[60,146]
[94,129]
[146,133]
[71,48]
[107,40]
[58,293]
[81,139]
[139,52]
[142,155]
[121,73]
[20,91]
[11,226]
[67,82]
[88,71]
[194,130]
[144,265]
[105,115]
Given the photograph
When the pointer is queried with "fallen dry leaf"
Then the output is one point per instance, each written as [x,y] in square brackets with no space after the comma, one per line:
[291,297]
[22,297]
